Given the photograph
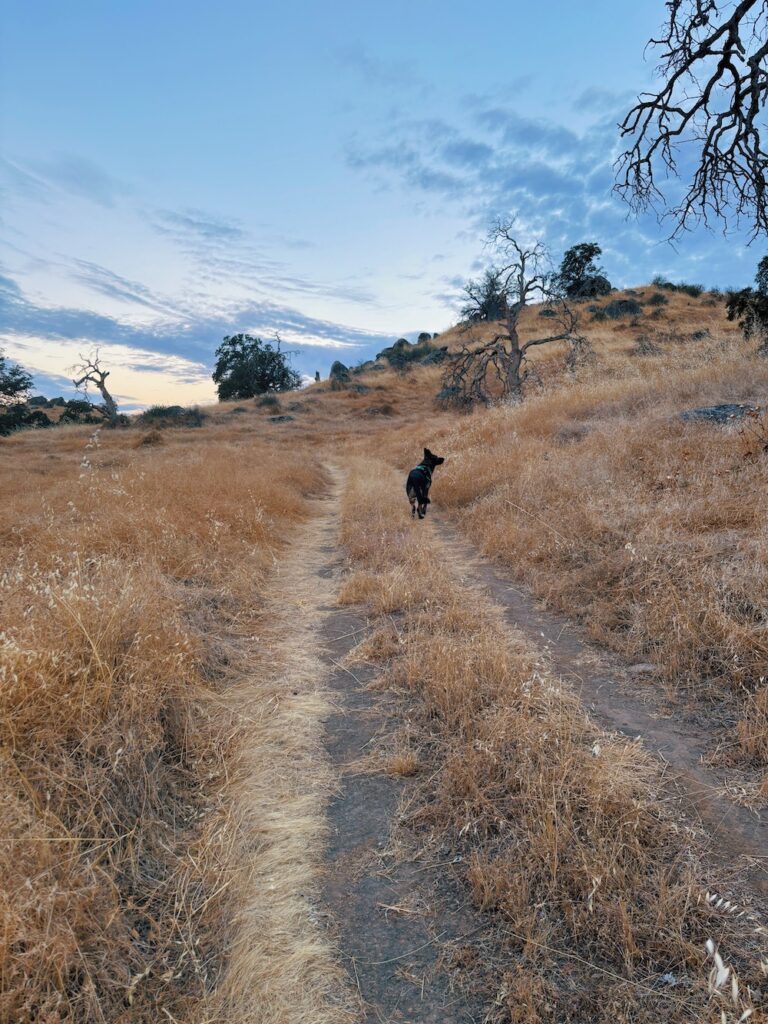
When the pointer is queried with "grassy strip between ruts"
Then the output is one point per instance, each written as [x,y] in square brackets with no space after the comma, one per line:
[594,891]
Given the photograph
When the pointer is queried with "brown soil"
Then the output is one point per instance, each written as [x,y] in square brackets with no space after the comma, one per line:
[627,701]
[399,923]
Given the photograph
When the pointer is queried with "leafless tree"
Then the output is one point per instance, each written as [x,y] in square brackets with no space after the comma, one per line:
[498,367]
[89,371]
[710,108]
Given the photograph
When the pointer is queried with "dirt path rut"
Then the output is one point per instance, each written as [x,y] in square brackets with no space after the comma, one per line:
[393,933]
[737,836]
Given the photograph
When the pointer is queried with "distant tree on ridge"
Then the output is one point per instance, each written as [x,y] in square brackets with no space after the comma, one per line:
[579,276]
[247,366]
[15,382]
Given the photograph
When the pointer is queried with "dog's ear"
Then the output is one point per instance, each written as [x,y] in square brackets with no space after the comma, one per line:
[427,454]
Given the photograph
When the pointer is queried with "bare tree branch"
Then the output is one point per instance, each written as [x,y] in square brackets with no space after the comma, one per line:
[90,372]
[498,368]
[711,105]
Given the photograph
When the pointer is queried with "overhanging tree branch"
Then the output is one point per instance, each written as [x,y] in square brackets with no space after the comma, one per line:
[711,105]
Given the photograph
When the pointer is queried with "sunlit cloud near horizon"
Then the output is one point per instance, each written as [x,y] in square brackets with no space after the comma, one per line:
[162,188]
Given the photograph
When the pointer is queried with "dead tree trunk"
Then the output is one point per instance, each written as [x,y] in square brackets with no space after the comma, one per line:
[497,368]
[90,372]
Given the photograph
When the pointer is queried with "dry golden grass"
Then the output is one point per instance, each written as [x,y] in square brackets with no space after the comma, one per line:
[649,529]
[592,885]
[280,965]
[154,782]
[130,580]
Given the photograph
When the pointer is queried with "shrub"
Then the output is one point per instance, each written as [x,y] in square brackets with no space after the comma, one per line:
[455,398]
[385,409]
[662,282]
[750,307]
[658,299]
[268,402]
[622,307]
[19,417]
[402,354]
[645,346]
[694,290]
[171,416]
[599,315]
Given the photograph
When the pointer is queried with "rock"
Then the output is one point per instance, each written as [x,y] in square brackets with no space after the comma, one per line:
[339,375]
[726,412]
[339,371]
[642,669]
[437,355]
[281,419]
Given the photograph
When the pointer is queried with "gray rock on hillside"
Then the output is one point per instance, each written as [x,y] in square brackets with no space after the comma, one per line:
[339,372]
[726,412]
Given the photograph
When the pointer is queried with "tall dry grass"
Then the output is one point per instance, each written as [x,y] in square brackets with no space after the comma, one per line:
[562,829]
[129,580]
[649,529]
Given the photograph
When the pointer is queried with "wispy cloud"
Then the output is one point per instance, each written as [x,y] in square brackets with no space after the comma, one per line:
[380,72]
[107,282]
[189,225]
[556,182]
[81,177]
[192,341]
[223,252]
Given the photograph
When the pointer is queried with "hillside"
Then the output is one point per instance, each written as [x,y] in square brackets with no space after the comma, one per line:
[265,737]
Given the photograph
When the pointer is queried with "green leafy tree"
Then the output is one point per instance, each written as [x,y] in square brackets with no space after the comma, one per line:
[487,299]
[15,382]
[247,366]
[750,307]
[580,277]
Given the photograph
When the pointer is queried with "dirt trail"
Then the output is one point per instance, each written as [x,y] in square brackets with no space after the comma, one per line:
[395,922]
[393,933]
[281,966]
[334,925]
[737,836]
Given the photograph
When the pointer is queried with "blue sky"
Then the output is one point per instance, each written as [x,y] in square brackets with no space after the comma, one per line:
[174,172]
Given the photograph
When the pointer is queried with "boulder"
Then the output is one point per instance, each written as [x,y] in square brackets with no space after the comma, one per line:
[339,375]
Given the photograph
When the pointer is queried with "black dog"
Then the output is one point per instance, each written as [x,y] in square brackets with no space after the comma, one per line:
[419,481]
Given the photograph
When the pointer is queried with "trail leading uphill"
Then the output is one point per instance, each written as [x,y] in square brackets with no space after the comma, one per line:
[737,836]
